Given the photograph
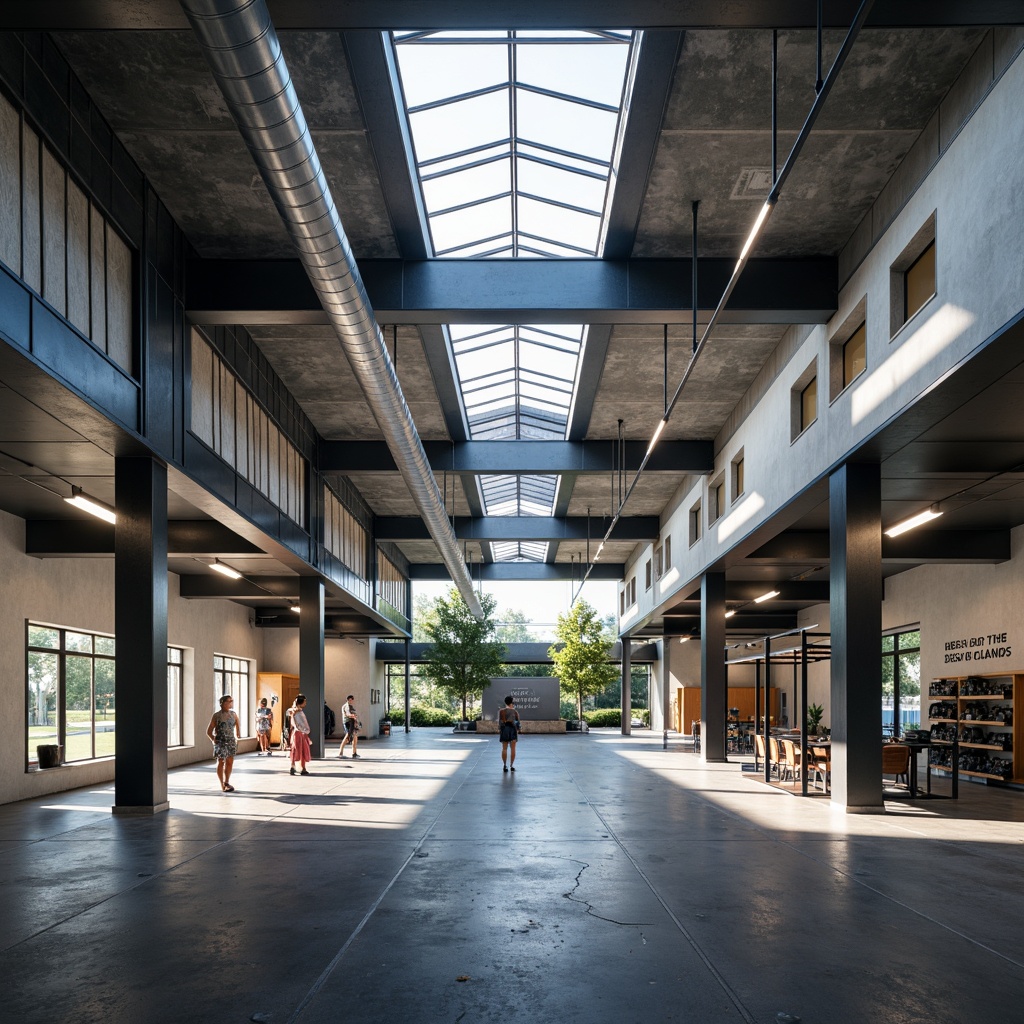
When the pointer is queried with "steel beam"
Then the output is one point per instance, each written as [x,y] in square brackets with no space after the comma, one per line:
[640,291]
[918,547]
[484,457]
[525,14]
[519,571]
[524,528]
[62,538]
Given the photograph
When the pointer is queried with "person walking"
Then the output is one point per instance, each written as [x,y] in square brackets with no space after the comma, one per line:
[508,719]
[224,731]
[300,736]
[264,723]
[350,719]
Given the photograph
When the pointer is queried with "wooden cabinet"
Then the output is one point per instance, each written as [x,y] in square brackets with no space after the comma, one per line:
[972,718]
[740,697]
[284,687]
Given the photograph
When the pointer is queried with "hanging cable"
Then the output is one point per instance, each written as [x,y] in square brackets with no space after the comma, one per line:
[775,101]
[664,345]
[693,280]
[817,81]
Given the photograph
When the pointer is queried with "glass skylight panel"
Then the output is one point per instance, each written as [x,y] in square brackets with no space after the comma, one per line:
[521,551]
[507,95]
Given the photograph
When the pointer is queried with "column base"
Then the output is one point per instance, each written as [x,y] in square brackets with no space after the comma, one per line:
[139,811]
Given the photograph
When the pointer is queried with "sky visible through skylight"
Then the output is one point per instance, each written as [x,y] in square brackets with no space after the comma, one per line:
[514,141]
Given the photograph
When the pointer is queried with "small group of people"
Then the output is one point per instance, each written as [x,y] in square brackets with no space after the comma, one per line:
[225,731]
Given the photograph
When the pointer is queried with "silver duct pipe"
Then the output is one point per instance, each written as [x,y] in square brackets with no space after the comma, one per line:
[243,51]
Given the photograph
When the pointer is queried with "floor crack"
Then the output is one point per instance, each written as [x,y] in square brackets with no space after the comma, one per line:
[591,912]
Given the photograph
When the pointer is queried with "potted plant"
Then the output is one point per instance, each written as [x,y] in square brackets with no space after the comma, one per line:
[814,714]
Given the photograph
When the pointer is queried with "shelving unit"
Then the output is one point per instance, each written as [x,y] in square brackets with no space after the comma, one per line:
[974,727]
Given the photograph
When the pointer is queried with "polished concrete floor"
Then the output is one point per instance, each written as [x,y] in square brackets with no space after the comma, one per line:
[608,879]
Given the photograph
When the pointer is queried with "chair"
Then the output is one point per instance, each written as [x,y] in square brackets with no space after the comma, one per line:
[695,734]
[790,764]
[896,761]
[775,756]
[821,764]
[758,751]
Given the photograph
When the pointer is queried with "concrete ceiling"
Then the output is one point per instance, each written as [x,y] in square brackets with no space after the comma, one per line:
[713,144]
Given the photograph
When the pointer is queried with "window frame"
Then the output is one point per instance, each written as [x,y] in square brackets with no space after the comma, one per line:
[61,652]
[736,473]
[797,401]
[924,239]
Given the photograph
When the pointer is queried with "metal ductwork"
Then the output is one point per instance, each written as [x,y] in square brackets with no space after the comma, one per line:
[243,51]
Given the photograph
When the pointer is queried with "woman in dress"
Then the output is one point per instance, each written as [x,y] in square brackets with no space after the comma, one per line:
[264,723]
[300,736]
[508,717]
[224,731]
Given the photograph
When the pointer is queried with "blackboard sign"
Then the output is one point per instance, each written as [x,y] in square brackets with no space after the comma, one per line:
[536,698]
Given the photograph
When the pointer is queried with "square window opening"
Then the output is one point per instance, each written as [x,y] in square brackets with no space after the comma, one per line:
[804,401]
[913,278]
[738,482]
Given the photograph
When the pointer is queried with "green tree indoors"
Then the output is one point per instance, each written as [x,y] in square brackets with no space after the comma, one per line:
[581,654]
[463,654]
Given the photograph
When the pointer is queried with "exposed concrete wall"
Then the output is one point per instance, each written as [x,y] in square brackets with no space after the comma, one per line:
[975,190]
[348,668]
[952,604]
[958,603]
[79,593]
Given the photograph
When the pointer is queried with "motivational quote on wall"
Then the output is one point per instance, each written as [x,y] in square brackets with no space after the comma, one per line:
[977,648]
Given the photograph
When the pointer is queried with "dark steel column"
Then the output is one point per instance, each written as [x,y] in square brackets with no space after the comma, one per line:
[311,657]
[627,687]
[713,695]
[408,688]
[140,625]
[855,531]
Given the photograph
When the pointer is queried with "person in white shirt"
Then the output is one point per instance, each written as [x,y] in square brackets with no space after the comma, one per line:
[350,719]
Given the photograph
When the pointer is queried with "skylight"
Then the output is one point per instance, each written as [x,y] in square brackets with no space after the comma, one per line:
[514,136]
[514,140]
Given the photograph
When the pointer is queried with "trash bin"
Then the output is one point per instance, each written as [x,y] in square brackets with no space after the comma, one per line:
[49,755]
[385,728]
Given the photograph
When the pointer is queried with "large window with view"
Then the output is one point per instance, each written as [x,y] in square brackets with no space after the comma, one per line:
[71,698]
[175,695]
[901,681]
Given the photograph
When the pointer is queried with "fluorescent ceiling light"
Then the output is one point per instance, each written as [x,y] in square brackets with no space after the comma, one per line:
[91,505]
[908,524]
[729,614]
[766,597]
[225,570]
[296,608]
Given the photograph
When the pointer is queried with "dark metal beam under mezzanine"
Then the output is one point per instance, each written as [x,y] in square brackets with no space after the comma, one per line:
[522,528]
[629,291]
[524,571]
[532,457]
[525,14]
